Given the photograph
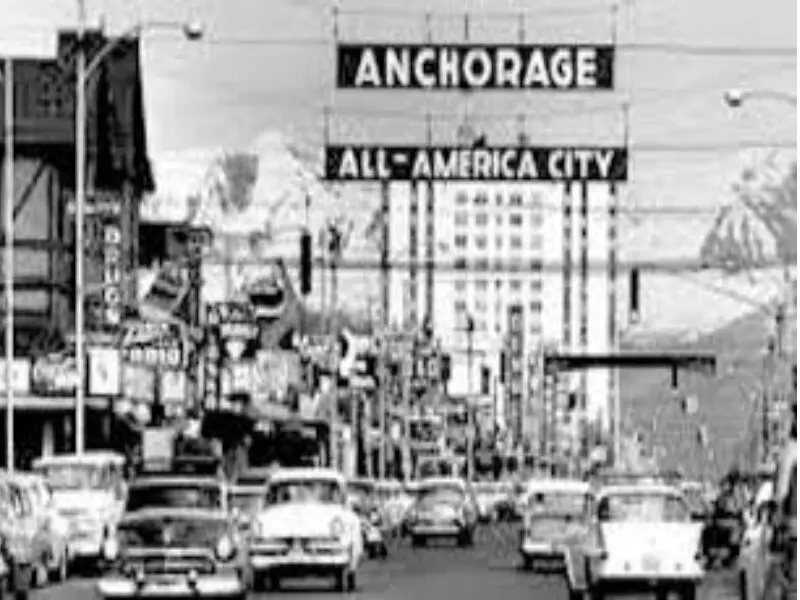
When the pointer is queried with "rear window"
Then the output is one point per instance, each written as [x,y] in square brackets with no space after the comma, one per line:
[644,507]
[559,503]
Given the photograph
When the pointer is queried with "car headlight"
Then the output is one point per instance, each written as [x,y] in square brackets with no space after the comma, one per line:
[336,528]
[225,548]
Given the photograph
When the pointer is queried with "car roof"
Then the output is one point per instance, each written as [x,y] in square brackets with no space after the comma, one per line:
[301,473]
[388,484]
[632,489]
[436,481]
[157,480]
[558,485]
[246,489]
[94,457]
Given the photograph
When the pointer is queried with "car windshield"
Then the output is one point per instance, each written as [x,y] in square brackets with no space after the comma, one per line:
[558,503]
[171,532]
[643,507]
[174,495]
[75,477]
[441,495]
[247,502]
[325,491]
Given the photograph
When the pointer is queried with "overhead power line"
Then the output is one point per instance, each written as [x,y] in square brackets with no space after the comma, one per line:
[521,268]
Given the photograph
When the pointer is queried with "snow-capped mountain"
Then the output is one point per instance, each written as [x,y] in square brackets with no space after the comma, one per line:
[258,200]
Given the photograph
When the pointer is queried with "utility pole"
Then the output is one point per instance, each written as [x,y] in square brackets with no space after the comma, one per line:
[8,76]
[470,399]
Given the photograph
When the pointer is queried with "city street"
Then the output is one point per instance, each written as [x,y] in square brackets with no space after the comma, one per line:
[489,570]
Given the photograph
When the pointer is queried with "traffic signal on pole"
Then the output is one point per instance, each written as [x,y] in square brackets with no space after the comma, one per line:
[634,295]
[305,263]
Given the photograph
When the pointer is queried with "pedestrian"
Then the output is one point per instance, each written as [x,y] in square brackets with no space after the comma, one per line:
[786,498]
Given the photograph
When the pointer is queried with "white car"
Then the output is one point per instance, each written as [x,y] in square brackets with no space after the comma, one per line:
[646,539]
[306,529]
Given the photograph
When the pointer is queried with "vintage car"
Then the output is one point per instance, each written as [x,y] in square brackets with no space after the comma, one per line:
[17,551]
[445,508]
[176,491]
[89,491]
[175,553]
[646,539]
[246,502]
[47,531]
[557,529]
[306,529]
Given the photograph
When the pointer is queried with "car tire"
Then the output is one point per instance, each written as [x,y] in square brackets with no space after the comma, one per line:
[689,591]
[273,582]
[743,585]
[60,572]
[527,563]
[466,539]
[417,541]
[345,580]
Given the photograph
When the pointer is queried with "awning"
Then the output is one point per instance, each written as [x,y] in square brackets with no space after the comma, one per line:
[51,403]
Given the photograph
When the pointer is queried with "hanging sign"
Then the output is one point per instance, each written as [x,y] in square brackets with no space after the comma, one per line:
[475,66]
[152,344]
[457,163]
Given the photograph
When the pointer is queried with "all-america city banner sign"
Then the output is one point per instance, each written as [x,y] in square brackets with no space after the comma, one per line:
[475,66]
[459,163]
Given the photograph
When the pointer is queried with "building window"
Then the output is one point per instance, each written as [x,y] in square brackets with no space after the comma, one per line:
[460,285]
[516,242]
[482,219]
[481,199]
[536,285]
[460,263]
[516,285]
[498,242]
[515,200]
[498,219]
[482,264]
[480,306]
[536,265]
[461,241]
[536,242]
[536,306]
[498,283]
[515,219]
[537,220]
[461,218]
[460,306]
[462,198]
[480,242]
[481,284]
[498,199]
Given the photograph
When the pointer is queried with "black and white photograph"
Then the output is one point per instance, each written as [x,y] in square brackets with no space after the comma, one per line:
[398,299]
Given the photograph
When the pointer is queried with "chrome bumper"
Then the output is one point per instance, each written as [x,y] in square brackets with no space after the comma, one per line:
[211,586]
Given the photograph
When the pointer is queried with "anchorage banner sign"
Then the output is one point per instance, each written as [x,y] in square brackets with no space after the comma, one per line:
[475,66]
[457,163]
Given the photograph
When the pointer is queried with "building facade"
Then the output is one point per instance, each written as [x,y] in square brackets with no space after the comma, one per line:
[545,248]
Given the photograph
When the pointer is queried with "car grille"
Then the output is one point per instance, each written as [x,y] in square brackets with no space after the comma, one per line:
[175,562]
[317,545]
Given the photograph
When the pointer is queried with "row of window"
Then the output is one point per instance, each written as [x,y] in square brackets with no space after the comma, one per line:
[514,242]
[499,264]
[482,198]
[482,285]
[461,219]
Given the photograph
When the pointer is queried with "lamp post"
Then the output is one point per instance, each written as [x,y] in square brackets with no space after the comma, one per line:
[85,70]
[8,212]
[736,97]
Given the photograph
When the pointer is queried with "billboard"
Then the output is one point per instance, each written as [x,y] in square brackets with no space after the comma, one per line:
[475,66]
[353,162]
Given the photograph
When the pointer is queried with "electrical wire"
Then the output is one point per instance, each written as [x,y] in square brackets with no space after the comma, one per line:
[522,268]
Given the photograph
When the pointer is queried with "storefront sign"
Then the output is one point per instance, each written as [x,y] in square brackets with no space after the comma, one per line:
[20,375]
[212,358]
[152,344]
[457,163]
[475,66]
[138,382]
[112,274]
[105,371]
[54,375]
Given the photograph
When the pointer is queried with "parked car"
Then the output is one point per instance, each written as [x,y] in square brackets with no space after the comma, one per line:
[176,553]
[645,539]
[306,529]
[51,538]
[89,491]
[558,529]
[445,508]
[17,553]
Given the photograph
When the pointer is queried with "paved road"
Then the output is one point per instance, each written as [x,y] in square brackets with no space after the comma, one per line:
[489,570]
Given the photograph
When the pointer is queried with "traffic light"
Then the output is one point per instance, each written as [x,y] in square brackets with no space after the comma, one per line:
[305,263]
[634,296]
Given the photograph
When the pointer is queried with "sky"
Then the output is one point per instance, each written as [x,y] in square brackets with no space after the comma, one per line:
[267,65]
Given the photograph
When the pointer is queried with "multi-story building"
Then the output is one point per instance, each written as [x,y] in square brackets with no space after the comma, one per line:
[498,245]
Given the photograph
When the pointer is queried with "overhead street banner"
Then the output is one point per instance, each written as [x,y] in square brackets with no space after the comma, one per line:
[457,163]
[475,66]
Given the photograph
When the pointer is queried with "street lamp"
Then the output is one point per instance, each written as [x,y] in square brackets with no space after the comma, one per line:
[736,97]
[192,31]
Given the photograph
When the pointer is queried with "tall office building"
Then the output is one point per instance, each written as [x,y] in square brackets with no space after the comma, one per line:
[497,246]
